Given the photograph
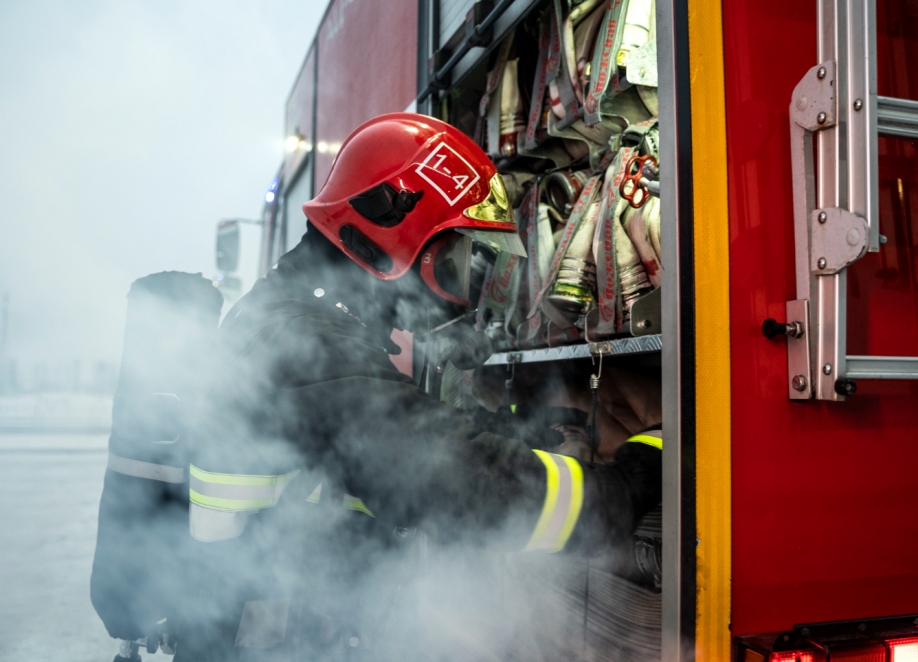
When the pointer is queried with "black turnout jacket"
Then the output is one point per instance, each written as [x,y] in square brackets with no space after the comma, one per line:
[306,386]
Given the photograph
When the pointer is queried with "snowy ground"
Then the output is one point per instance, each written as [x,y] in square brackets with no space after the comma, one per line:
[49,495]
[55,411]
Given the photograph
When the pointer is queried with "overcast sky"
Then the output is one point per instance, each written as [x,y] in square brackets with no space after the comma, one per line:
[127,129]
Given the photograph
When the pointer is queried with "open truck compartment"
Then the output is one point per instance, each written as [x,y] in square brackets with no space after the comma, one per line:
[582,303]
[709,171]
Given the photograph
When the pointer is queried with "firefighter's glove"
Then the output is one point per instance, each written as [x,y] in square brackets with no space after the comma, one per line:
[531,431]
[576,442]
[465,347]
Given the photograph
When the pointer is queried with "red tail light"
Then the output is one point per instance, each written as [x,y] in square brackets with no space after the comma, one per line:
[901,650]
[890,639]
[904,650]
[792,656]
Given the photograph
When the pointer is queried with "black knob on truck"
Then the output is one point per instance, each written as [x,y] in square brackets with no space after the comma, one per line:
[845,386]
[772,328]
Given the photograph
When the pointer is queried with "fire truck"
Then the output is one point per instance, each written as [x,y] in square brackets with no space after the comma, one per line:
[743,175]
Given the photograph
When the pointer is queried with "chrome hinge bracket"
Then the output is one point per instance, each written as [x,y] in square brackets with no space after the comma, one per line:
[814,106]
[838,238]
[814,109]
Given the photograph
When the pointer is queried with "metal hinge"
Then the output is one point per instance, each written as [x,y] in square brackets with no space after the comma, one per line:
[836,118]
[837,238]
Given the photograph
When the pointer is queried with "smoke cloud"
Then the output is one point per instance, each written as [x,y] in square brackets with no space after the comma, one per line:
[128,130]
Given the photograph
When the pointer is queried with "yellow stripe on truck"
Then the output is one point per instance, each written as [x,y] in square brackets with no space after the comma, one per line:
[712,389]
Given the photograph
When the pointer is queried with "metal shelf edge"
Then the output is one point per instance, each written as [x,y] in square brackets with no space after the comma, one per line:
[621,346]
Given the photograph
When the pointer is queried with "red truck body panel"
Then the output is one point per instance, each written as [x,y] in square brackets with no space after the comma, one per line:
[367,66]
[298,118]
[824,494]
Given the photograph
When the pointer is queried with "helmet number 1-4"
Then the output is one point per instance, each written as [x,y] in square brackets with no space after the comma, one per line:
[450,174]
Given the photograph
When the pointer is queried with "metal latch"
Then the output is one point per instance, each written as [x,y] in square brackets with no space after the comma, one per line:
[800,381]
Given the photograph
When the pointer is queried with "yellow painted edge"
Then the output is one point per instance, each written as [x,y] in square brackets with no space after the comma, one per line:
[712,336]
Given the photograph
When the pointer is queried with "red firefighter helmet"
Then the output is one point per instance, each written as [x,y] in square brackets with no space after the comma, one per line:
[401,179]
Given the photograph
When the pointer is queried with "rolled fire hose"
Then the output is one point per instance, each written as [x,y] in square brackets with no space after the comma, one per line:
[514,184]
[632,275]
[562,189]
[640,29]
[545,242]
[583,10]
[512,120]
[653,229]
[574,289]
[585,40]
[640,26]
[636,224]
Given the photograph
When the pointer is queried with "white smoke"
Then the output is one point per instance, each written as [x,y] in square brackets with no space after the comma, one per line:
[128,130]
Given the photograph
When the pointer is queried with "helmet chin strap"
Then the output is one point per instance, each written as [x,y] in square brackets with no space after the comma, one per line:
[455,320]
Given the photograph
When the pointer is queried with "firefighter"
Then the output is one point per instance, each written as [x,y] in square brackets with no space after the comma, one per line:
[314,440]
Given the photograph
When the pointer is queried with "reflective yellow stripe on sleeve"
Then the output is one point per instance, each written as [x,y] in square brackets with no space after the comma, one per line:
[316,495]
[563,501]
[236,492]
[221,503]
[350,502]
[651,438]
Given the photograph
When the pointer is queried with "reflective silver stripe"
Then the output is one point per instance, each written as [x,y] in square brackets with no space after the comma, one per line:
[559,513]
[236,492]
[263,624]
[563,501]
[558,517]
[209,525]
[221,503]
[148,470]
[247,492]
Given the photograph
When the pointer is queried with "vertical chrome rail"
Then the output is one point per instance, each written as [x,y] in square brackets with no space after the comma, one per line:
[678,614]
